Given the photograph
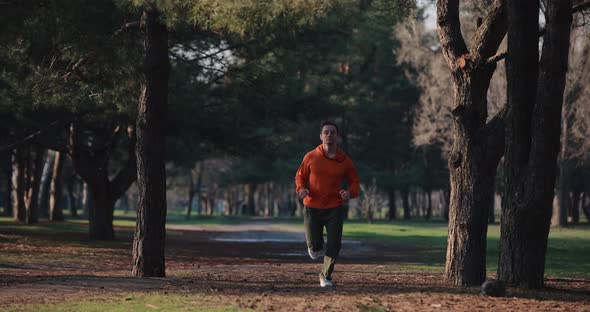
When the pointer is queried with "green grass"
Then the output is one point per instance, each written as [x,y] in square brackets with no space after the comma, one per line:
[136,302]
[568,253]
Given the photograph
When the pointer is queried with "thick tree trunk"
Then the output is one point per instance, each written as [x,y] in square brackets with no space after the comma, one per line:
[72,185]
[34,173]
[586,207]
[429,204]
[101,193]
[392,208]
[86,199]
[250,206]
[406,204]
[576,207]
[43,199]
[446,197]
[7,164]
[55,203]
[472,165]
[150,231]
[477,145]
[195,190]
[100,212]
[18,184]
[191,195]
[532,138]
[564,177]
[491,212]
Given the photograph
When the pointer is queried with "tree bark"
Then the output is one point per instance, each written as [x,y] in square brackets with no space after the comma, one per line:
[392,208]
[18,184]
[251,205]
[150,231]
[429,204]
[446,197]
[7,164]
[532,137]
[55,203]
[406,204]
[46,176]
[34,173]
[101,193]
[576,207]
[562,181]
[72,185]
[191,195]
[477,145]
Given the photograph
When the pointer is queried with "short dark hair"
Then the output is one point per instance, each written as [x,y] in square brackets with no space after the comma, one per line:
[328,123]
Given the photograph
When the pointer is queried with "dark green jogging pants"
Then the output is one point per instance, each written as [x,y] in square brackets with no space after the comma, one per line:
[315,220]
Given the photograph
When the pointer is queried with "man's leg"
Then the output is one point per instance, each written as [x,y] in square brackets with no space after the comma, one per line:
[334,233]
[314,235]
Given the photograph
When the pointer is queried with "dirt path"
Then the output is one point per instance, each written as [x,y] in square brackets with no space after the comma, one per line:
[258,266]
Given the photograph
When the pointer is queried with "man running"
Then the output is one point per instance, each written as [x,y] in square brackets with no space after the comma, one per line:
[319,180]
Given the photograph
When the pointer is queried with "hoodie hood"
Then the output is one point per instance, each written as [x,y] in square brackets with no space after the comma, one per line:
[340,155]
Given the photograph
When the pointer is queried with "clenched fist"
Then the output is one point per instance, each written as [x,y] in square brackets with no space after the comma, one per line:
[345,195]
[303,193]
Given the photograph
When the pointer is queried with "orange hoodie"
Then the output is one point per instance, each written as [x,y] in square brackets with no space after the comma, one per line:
[323,176]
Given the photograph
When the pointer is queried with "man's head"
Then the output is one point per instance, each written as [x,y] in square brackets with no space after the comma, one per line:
[328,132]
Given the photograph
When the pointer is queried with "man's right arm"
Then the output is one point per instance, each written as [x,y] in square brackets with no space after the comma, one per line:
[302,176]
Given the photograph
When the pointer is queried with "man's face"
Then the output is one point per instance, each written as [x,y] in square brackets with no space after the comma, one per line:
[328,134]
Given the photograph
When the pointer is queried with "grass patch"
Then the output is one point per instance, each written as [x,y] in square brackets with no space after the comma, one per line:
[568,253]
[136,302]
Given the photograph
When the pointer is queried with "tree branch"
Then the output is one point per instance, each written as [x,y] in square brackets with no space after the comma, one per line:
[580,5]
[492,31]
[449,31]
[121,182]
[125,27]
[496,58]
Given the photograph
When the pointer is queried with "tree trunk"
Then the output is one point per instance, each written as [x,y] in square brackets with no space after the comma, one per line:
[477,145]
[34,173]
[250,206]
[86,199]
[7,164]
[586,207]
[576,207]
[46,176]
[150,231]
[18,184]
[406,204]
[266,199]
[414,204]
[196,190]
[100,212]
[72,186]
[392,208]
[446,198]
[429,204]
[55,205]
[191,195]
[491,211]
[562,181]
[532,137]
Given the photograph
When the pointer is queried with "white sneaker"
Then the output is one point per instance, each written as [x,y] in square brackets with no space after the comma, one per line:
[325,282]
[316,254]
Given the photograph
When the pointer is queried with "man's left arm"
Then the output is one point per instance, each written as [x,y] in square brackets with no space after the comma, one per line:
[353,180]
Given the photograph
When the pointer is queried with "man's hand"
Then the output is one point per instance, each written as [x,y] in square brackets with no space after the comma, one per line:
[303,193]
[345,195]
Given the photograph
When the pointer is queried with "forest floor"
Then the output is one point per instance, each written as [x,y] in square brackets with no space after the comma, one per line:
[256,266]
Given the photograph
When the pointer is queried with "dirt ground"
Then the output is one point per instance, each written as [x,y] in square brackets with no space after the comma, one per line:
[261,267]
